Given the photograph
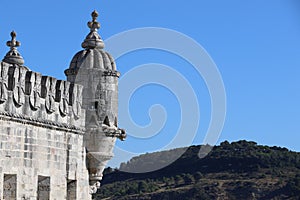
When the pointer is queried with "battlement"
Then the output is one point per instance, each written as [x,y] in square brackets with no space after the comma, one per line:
[29,97]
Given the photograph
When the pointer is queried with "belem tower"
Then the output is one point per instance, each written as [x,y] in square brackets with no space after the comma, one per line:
[56,135]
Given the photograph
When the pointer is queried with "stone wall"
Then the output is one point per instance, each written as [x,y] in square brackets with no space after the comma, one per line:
[41,130]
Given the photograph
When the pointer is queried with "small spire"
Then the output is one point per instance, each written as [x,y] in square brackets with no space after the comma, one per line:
[13,56]
[93,39]
[13,43]
[94,25]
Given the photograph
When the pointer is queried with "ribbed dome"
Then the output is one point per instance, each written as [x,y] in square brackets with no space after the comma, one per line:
[93,59]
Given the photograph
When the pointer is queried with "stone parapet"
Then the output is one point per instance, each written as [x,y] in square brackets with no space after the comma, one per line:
[29,97]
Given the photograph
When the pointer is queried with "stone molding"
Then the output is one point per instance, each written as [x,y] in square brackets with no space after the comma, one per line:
[5,116]
[111,73]
[74,71]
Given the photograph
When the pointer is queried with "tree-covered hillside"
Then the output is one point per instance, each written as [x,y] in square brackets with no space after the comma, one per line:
[237,170]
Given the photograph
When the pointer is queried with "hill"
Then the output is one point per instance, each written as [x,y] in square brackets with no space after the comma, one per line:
[237,170]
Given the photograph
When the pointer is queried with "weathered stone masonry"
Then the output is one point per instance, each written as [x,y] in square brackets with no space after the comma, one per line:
[56,136]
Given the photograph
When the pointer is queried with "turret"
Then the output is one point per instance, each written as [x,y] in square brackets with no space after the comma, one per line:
[95,70]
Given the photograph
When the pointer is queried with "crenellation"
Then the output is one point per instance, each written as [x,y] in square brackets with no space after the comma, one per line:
[28,96]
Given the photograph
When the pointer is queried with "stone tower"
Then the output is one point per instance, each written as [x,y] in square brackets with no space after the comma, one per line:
[56,135]
[95,70]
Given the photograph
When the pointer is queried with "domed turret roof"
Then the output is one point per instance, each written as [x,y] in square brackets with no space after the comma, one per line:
[93,56]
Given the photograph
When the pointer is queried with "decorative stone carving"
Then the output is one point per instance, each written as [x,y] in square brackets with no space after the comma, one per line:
[13,56]
[3,82]
[94,187]
[19,74]
[34,89]
[111,73]
[76,99]
[113,131]
[48,91]
[62,91]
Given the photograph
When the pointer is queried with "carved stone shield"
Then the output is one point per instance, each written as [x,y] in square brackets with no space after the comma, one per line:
[77,99]
[19,85]
[3,82]
[50,83]
[35,90]
[63,96]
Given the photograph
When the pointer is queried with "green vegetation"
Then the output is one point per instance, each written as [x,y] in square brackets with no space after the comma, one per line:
[237,170]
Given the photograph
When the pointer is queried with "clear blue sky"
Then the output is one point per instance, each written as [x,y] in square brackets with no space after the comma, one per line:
[255,45]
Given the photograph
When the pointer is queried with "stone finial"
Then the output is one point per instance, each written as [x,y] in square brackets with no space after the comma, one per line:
[94,25]
[13,56]
[93,39]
